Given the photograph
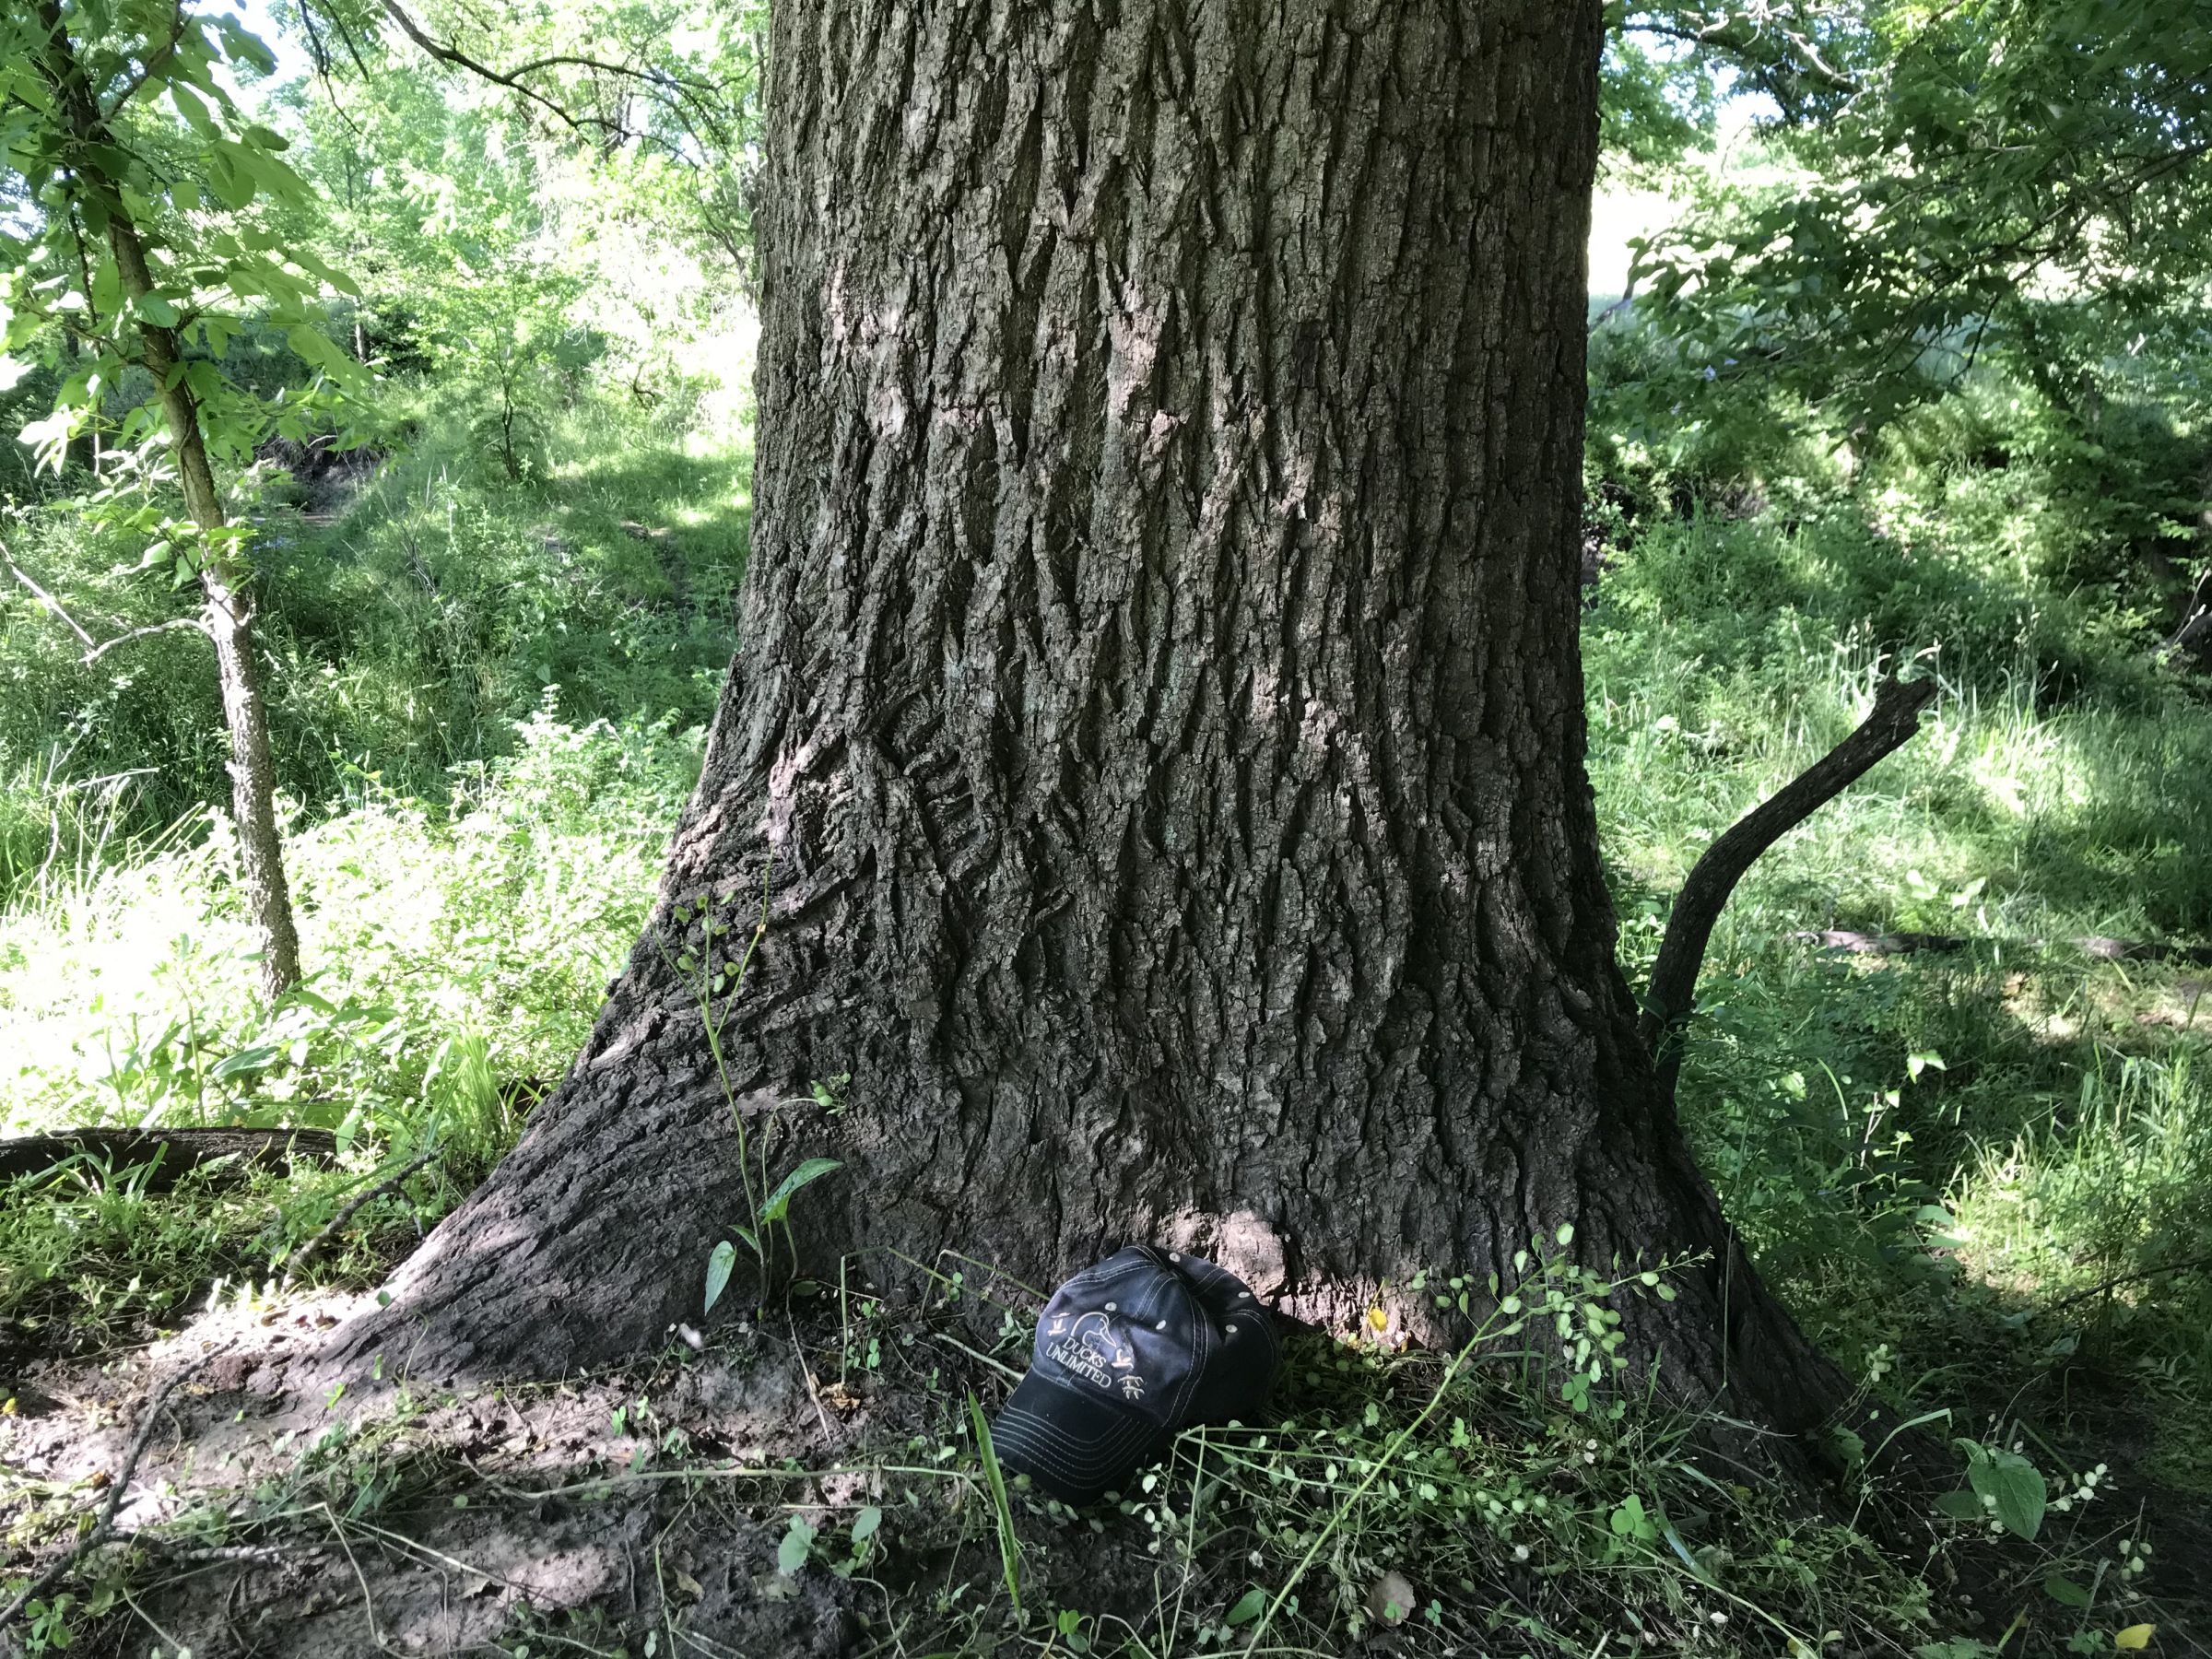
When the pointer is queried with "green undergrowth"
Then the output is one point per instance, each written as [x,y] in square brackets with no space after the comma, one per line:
[415,605]
[1972,1165]
[490,705]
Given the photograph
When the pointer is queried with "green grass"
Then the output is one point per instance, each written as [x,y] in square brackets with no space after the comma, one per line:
[1931,1153]
[489,711]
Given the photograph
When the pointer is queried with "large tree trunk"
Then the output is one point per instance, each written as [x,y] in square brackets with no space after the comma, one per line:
[1158,717]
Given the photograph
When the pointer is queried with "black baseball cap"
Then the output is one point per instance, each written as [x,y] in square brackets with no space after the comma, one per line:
[1129,1353]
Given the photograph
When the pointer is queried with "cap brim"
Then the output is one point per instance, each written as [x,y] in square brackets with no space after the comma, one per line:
[1074,1447]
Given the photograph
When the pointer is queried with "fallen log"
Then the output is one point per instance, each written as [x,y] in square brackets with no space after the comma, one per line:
[171,1152]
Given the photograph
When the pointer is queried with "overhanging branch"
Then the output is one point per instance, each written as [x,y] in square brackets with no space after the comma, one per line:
[94,648]
[1667,1004]
[692,102]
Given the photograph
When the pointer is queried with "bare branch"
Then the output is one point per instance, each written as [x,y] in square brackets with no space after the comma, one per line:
[46,600]
[191,624]
[675,92]
[306,1253]
[1667,1004]
[94,648]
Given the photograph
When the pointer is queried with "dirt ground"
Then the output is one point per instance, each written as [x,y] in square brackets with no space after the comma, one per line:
[635,1512]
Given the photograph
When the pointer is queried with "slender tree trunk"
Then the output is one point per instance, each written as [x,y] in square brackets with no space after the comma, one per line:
[229,618]
[1158,731]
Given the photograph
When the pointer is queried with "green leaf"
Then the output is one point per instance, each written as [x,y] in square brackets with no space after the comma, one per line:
[865,1523]
[107,287]
[157,311]
[2066,1592]
[193,108]
[261,169]
[719,1265]
[1247,1608]
[2015,1484]
[233,188]
[797,1544]
[242,47]
[779,1201]
[337,279]
[1009,1544]
[309,346]
[258,1058]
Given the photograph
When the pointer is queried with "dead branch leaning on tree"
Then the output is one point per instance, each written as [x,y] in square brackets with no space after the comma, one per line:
[1895,717]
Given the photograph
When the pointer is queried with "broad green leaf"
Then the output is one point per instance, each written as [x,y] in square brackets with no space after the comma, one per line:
[247,1061]
[1247,1608]
[107,287]
[233,188]
[797,1544]
[309,346]
[719,1263]
[259,167]
[2066,1592]
[337,279]
[779,1201]
[193,108]
[2015,1484]
[242,47]
[865,1523]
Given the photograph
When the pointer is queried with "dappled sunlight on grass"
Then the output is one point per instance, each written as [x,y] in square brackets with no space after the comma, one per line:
[1930,1152]
[128,998]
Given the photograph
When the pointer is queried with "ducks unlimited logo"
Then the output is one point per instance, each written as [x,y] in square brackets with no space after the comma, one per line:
[1088,1347]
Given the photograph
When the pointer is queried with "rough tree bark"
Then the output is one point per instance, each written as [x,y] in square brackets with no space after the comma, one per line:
[228,619]
[1158,721]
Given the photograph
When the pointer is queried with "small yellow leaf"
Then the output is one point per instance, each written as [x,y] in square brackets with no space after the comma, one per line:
[2134,1636]
[1377,1320]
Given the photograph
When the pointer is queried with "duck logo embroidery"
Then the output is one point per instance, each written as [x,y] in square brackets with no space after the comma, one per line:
[1091,1350]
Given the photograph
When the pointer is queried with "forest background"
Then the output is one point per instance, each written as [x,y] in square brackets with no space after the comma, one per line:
[1899,356]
